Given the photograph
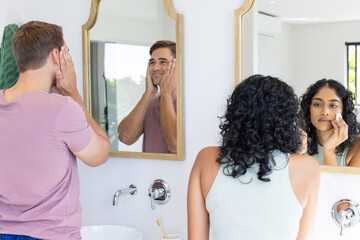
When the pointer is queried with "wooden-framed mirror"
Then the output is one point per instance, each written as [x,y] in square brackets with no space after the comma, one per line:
[275,33]
[116,41]
[239,45]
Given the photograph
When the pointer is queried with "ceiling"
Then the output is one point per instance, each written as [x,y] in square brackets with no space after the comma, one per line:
[311,11]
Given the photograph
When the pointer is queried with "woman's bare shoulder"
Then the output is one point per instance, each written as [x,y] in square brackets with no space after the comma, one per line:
[355,144]
[353,156]
[211,151]
[354,147]
[305,165]
[304,172]
[207,157]
[206,168]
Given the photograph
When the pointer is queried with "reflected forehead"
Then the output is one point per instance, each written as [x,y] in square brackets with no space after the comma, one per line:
[326,94]
[161,53]
[160,58]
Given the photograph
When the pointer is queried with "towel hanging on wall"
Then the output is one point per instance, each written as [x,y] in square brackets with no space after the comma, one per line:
[9,72]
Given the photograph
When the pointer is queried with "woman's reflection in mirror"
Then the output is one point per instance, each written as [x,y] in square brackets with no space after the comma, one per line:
[255,185]
[331,141]
[155,114]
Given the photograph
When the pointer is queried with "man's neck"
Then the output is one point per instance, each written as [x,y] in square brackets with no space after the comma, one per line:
[40,79]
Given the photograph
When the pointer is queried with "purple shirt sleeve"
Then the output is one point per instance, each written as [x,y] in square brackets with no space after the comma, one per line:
[72,127]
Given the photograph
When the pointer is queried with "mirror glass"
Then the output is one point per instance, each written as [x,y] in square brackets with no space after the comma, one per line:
[118,45]
[300,41]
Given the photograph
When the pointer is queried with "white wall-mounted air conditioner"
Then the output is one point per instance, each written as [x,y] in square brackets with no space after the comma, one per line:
[269,25]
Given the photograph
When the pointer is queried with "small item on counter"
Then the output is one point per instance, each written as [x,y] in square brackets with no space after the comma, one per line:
[162,229]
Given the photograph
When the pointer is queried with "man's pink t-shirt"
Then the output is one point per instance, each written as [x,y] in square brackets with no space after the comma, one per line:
[153,139]
[39,182]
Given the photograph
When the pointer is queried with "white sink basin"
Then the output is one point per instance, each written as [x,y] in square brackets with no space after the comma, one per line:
[110,232]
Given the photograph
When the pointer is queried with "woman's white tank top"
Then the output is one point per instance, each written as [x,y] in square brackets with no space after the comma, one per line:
[257,210]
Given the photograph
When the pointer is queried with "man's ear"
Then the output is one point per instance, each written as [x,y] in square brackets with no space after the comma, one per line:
[55,56]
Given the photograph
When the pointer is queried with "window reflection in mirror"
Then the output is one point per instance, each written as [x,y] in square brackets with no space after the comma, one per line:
[119,54]
[118,81]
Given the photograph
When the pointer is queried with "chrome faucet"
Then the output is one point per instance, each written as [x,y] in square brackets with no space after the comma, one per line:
[131,190]
[345,214]
[159,192]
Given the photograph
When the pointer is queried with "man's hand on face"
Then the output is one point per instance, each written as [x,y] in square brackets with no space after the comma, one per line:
[66,76]
[168,82]
[150,87]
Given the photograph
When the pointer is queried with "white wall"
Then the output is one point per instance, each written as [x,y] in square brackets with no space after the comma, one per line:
[334,187]
[128,27]
[209,79]
[276,54]
[268,55]
[321,51]
[303,54]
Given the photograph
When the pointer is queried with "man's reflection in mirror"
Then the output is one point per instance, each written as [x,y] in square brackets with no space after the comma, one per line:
[155,113]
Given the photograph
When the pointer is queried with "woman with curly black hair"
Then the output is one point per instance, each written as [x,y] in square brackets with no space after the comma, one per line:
[255,185]
[331,141]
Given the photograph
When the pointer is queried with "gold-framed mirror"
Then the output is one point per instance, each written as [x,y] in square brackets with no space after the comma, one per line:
[239,45]
[258,40]
[116,33]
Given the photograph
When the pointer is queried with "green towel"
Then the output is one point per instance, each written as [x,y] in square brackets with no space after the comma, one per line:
[9,72]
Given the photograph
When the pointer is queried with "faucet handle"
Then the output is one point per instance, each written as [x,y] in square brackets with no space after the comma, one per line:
[345,214]
[159,192]
[151,195]
[131,190]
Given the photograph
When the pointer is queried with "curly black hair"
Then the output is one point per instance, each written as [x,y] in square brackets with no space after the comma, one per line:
[261,116]
[348,114]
